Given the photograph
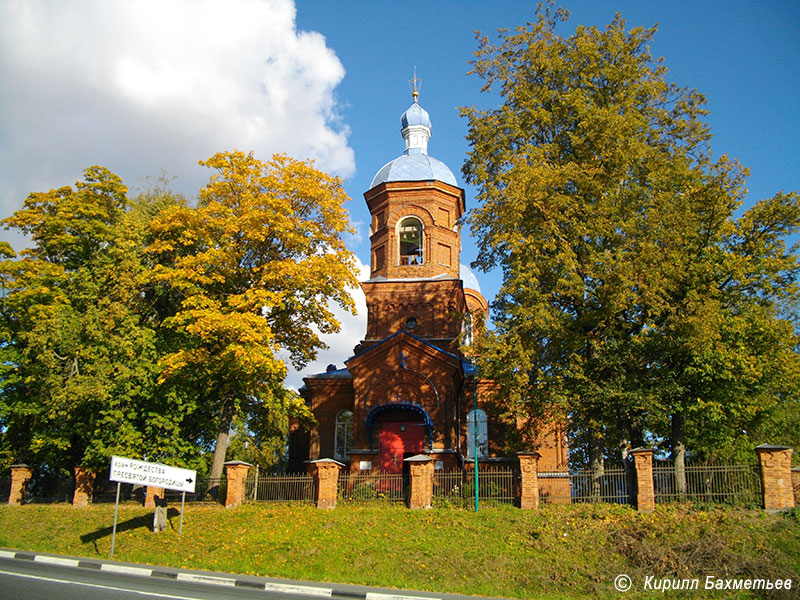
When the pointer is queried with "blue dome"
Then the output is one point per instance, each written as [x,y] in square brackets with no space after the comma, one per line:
[415,167]
[415,115]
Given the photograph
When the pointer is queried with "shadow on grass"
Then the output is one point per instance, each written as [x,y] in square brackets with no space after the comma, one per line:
[145,521]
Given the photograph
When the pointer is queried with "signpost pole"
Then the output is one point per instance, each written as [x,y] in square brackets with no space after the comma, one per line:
[475,424]
[183,501]
[114,529]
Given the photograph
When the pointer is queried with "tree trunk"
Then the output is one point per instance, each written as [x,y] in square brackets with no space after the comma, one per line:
[679,454]
[221,447]
[630,470]
[597,466]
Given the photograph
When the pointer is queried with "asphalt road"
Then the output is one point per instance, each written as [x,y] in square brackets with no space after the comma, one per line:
[29,576]
[29,580]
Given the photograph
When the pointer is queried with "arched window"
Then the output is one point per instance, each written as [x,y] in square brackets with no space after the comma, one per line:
[483,434]
[343,435]
[409,231]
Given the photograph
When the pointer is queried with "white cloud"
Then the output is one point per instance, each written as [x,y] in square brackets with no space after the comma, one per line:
[141,86]
[340,345]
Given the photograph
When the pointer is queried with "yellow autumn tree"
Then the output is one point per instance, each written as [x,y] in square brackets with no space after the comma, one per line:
[251,272]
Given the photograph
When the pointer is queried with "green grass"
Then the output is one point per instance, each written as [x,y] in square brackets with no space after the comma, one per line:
[555,552]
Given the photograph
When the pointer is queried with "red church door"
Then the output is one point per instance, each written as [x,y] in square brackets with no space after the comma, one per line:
[399,441]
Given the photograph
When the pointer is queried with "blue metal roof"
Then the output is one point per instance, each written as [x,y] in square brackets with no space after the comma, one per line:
[414,167]
[415,115]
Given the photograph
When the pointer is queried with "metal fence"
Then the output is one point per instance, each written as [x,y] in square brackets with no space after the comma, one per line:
[366,487]
[457,488]
[205,490]
[50,488]
[280,488]
[731,484]
[5,489]
[609,485]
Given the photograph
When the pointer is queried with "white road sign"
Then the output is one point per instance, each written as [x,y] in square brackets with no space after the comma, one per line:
[128,470]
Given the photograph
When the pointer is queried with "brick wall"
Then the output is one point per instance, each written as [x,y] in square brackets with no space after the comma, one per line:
[420,493]
[84,486]
[236,474]
[325,472]
[438,205]
[776,477]
[645,493]
[20,475]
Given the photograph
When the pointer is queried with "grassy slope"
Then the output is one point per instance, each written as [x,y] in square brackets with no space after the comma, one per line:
[556,552]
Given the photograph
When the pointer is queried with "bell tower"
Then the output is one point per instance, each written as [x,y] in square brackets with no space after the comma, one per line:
[415,244]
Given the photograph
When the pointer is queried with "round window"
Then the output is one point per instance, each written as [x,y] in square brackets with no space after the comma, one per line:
[411,323]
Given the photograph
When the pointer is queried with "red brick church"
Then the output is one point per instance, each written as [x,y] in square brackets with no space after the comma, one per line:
[408,388]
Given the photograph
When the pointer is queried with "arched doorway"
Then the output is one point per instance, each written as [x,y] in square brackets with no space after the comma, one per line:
[402,430]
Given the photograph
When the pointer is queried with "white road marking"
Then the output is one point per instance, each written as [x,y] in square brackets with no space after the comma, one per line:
[102,587]
[287,588]
[7,554]
[127,570]
[57,560]
[206,579]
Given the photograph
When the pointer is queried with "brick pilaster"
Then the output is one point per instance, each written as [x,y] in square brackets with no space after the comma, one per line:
[84,487]
[420,494]
[236,473]
[325,472]
[645,493]
[529,482]
[20,475]
[796,484]
[776,477]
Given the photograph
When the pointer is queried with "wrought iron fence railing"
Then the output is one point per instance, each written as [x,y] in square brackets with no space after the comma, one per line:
[366,487]
[612,485]
[206,490]
[731,484]
[280,488]
[457,488]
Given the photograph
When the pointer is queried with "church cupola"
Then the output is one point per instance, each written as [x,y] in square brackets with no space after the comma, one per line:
[416,128]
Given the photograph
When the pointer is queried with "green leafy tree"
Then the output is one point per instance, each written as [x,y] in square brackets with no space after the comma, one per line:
[80,365]
[253,268]
[627,279]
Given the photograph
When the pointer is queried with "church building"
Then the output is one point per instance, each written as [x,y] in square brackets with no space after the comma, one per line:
[409,389]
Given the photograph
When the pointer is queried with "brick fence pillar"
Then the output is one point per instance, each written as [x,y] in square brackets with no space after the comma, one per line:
[796,484]
[20,475]
[645,494]
[325,472]
[84,487]
[236,473]
[150,496]
[529,480]
[420,493]
[776,477]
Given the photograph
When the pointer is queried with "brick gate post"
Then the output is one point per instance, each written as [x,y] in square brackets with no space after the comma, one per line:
[236,473]
[420,493]
[776,477]
[20,475]
[84,487]
[529,480]
[645,493]
[325,472]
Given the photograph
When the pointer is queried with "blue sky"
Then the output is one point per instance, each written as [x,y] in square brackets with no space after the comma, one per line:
[150,85]
[744,56]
